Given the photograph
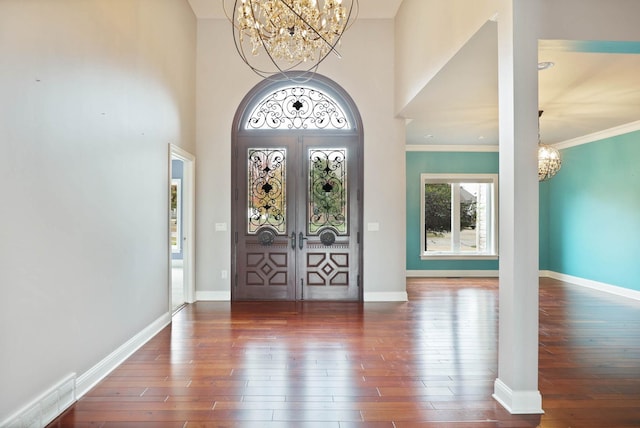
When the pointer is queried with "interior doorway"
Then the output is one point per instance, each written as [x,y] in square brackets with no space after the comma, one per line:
[181,227]
[297,199]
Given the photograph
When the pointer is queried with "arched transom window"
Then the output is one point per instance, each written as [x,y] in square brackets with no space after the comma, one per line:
[298,107]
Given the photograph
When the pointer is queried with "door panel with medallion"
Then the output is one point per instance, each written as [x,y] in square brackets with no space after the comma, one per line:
[297,227]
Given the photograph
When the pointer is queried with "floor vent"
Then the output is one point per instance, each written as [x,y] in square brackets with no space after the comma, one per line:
[47,407]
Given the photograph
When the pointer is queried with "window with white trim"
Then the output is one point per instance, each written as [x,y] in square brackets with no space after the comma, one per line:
[459,216]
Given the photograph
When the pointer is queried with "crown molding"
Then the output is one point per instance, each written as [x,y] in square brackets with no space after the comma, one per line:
[600,135]
[578,141]
[450,148]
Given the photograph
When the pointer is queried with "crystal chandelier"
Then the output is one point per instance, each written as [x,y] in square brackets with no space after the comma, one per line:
[290,34]
[549,160]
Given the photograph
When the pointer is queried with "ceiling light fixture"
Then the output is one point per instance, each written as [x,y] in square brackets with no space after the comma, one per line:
[549,159]
[291,34]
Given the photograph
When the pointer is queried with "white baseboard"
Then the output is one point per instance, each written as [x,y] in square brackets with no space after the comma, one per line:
[46,407]
[607,288]
[225,296]
[213,296]
[518,402]
[54,401]
[600,286]
[91,377]
[386,296]
[452,274]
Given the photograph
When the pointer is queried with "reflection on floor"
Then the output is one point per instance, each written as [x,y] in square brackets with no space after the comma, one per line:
[428,362]
[177,284]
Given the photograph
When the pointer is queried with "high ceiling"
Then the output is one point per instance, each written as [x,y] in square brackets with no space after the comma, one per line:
[589,89]
[369,9]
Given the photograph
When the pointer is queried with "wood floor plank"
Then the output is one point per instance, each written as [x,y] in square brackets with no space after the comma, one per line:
[428,362]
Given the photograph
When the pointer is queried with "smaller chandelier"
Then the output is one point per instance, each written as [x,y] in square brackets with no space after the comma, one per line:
[549,159]
[549,162]
[276,36]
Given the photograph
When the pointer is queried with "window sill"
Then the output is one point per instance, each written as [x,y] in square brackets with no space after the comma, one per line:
[445,256]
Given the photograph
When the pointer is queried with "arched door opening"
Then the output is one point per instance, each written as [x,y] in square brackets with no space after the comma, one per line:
[297,193]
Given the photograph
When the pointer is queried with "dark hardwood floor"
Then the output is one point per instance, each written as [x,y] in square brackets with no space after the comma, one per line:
[428,362]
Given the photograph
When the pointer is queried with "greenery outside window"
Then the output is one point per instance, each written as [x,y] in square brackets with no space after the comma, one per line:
[459,218]
[176,215]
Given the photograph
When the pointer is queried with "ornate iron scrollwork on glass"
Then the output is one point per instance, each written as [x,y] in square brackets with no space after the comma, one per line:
[327,190]
[266,236]
[327,237]
[267,189]
[298,108]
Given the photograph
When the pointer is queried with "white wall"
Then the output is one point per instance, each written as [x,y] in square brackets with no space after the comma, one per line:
[91,94]
[428,34]
[366,72]
[613,20]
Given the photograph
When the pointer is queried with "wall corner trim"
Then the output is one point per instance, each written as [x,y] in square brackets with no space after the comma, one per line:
[95,374]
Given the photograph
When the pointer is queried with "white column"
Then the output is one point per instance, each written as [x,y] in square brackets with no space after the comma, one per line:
[517,385]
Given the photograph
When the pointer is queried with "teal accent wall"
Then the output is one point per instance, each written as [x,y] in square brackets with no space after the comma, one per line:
[543,226]
[594,212]
[440,163]
[595,46]
[589,212]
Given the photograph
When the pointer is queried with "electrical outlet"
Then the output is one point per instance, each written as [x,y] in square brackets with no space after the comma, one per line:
[224,274]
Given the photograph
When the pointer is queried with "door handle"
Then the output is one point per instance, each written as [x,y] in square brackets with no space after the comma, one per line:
[301,238]
[293,240]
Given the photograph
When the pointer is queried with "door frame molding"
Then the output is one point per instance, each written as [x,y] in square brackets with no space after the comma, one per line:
[351,111]
[188,219]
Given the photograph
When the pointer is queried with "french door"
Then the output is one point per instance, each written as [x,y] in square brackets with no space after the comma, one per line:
[296,218]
